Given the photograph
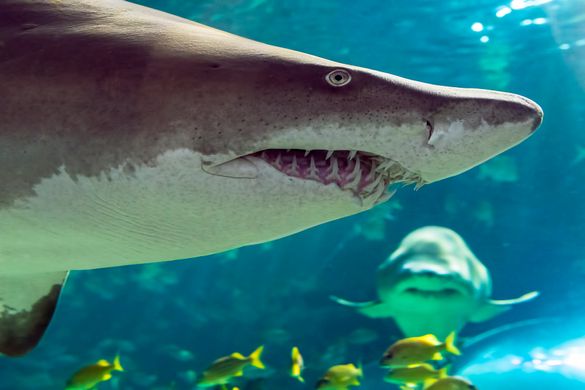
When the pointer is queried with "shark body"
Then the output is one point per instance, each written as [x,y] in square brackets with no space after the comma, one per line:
[433,283]
[129,135]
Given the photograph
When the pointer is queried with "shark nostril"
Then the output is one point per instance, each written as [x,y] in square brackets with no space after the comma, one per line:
[429,126]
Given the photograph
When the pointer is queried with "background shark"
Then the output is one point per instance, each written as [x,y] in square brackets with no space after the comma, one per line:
[433,283]
[129,136]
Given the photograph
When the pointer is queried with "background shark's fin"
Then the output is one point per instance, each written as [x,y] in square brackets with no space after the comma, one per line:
[493,308]
[524,298]
[372,309]
[27,303]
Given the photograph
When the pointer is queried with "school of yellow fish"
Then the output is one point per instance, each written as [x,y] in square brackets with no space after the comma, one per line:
[412,363]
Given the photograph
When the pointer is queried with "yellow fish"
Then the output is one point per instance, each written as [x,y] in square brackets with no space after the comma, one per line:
[414,375]
[340,377]
[450,383]
[298,364]
[89,377]
[224,369]
[415,350]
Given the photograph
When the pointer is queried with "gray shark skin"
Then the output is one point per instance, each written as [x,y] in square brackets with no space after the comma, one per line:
[433,283]
[128,136]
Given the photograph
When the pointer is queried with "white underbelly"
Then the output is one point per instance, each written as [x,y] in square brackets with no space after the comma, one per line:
[167,211]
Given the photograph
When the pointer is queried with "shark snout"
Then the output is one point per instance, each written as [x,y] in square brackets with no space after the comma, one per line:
[467,127]
[532,110]
[515,109]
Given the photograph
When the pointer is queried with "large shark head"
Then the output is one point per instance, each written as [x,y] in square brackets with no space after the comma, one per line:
[403,130]
[296,140]
[214,133]
[338,136]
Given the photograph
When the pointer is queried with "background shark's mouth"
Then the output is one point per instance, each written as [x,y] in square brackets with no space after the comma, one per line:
[364,174]
[428,285]
[445,292]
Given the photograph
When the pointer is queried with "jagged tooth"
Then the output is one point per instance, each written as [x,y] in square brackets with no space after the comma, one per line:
[264,155]
[372,170]
[307,152]
[384,166]
[419,185]
[357,169]
[313,170]
[386,196]
[294,167]
[278,161]
[329,154]
[370,187]
[379,191]
[334,175]
[354,184]
[352,154]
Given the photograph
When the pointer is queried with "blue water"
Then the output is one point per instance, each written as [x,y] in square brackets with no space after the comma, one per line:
[170,320]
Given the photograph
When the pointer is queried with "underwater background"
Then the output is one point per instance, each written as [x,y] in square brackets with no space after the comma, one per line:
[523,215]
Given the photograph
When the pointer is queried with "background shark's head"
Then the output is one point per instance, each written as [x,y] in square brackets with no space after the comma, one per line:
[433,283]
[433,270]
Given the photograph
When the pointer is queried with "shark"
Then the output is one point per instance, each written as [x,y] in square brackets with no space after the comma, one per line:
[129,136]
[434,284]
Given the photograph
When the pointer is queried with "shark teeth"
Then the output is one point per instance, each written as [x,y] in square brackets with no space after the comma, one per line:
[277,162]
[334,175]
[294,168]
[373,185]
[353,184]
[386,196]
[365,175]
[313,173]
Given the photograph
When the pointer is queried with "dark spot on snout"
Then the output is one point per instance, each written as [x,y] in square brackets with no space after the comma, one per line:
[520,110]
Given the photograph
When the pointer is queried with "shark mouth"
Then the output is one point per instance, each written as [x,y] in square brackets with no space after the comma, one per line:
[433,286]
[445,292]
[365,175]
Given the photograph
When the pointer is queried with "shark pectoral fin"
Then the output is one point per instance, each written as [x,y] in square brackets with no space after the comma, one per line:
[493,308]
[27,304]
[372,309]
[524,298]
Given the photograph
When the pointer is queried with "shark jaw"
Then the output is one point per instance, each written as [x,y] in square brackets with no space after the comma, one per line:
[438,295]
[366,176]
[433,286]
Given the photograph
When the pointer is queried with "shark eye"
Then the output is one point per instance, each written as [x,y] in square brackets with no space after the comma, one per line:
[338,78]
